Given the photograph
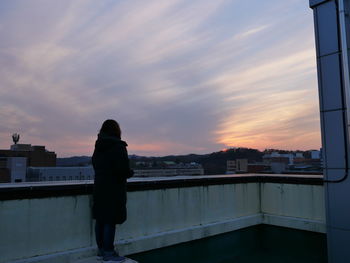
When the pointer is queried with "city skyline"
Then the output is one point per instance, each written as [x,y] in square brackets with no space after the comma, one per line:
[180,77]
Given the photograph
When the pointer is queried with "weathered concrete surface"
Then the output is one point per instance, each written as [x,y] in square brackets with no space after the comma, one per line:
[293,200]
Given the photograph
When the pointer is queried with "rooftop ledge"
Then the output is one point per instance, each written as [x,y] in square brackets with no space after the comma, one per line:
[13,191]
[51,222]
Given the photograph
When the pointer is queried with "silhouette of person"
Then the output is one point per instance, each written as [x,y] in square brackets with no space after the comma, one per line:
[111,164]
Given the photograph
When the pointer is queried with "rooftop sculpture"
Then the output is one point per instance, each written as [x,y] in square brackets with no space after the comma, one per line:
[15,137]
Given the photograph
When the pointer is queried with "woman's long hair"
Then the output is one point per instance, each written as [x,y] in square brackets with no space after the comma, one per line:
[111,128]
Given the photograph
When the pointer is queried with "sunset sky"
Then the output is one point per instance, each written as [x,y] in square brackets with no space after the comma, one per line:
[179,76]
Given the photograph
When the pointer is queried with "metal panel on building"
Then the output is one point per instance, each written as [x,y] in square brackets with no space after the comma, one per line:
[334,90]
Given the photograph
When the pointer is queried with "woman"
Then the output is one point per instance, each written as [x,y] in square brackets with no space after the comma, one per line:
[111,164]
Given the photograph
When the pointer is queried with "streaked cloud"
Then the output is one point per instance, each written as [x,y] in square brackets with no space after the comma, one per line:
[180,76]
[250,32]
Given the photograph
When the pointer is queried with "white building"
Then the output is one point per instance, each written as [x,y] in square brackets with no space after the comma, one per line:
[168,172]
[37,174]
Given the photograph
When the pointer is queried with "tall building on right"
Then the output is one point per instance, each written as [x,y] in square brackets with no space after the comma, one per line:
[332,36]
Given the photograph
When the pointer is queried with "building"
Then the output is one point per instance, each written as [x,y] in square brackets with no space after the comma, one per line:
[273,157]
[4,171]
[237,166]
[167,172]
[17,167]
[14,161]
[37,156]
[241,165]
[4,175]
[308,162]
[38,174]
[258,168]
[315,154]
[231,167]
[278,167]
[13,169]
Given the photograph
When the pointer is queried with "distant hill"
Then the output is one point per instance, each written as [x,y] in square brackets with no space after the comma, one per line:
[213,163]
[216,163]
[74,161]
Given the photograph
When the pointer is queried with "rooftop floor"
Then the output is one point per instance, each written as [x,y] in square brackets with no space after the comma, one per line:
[250,245]
[95,260]
[261,243]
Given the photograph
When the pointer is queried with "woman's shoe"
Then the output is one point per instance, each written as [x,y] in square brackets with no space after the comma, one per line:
[100,254]
[112,257]
[116,259]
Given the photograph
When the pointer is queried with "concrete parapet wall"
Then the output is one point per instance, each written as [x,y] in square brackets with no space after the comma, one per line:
[293,200]
[33,227]
[294,206]
[60,229]
[156,211]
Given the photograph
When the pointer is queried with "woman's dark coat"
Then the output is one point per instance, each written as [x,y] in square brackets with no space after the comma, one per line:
[111,164]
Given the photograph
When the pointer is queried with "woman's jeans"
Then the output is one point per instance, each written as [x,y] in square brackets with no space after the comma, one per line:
[105,234]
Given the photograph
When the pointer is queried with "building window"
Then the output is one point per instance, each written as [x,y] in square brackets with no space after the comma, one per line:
[43,178]
[57,178]
[70,177]
[76,177]
[63,178]
[50,178]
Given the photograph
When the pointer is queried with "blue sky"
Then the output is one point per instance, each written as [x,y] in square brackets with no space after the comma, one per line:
[179,76]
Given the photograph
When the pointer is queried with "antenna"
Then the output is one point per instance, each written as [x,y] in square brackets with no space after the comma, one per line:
[15,137]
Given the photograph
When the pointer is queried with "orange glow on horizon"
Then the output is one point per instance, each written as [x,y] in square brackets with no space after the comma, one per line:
[273,123]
